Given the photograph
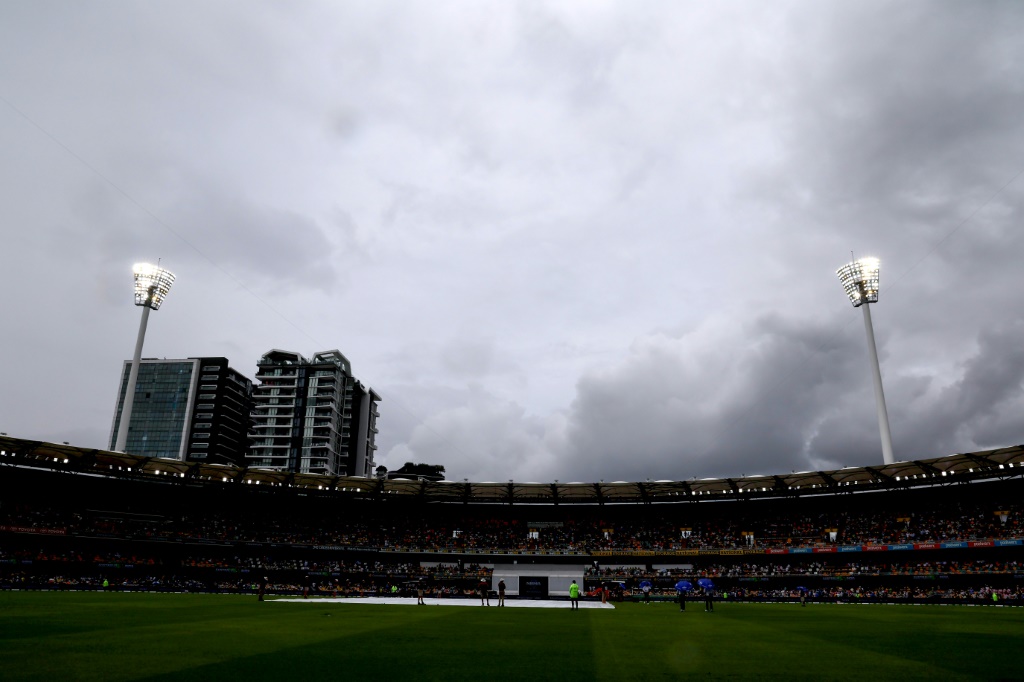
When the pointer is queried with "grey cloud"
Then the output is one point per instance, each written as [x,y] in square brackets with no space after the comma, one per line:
[512,195]
[261,244]
[978,407]
[798,397]
[994,375]
[679,407]
[468,356]
[918,111]
[485,438]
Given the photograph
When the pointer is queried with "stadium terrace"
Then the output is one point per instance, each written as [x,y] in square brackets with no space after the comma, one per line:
[949,529]
[1002,463]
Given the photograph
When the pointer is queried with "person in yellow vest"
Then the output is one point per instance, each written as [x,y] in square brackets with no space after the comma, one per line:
[574,595]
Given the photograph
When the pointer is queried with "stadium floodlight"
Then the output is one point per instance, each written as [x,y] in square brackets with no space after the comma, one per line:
[152,284]
[860,281]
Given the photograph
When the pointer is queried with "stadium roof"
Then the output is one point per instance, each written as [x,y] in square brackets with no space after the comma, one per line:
[959,468]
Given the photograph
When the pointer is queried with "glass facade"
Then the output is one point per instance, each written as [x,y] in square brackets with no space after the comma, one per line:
[160,410]
[195,409]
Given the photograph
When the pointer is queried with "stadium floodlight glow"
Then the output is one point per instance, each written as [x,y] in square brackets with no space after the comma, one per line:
[860,281]
[152,284]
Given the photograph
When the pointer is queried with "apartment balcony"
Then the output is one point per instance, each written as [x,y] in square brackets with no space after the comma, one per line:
[274,382]
[233,409]
[260,418]
[269,450]
[280,449]
[269,374]
[283,411]
[285,406]
[268,437]
[265,425]
[286,392]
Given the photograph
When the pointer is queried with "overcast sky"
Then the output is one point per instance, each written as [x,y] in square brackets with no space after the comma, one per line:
[580,240]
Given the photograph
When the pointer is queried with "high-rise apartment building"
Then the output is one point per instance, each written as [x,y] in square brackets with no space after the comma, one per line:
[196,409]
[312,416]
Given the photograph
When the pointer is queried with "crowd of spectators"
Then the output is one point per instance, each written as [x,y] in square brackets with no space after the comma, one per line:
[183,539]
[265,563]
[813,568]
[964,522]
[354,588]
[982,594]
[69,568]
[254,564]
[348,586]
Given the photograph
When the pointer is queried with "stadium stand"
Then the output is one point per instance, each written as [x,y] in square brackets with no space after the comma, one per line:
[945,529]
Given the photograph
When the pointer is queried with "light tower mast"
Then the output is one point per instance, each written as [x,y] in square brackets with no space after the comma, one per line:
[152,284]
[860,281]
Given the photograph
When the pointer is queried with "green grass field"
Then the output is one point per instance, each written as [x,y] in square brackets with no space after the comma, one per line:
[80,636]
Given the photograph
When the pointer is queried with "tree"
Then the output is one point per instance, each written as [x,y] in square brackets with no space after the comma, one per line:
[431,472]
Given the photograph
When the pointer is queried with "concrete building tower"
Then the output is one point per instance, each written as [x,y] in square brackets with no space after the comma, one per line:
[195,409]
[312,416]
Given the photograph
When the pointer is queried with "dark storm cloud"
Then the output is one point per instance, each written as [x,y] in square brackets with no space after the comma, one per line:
[564,240]
[979,408]
[894,129]
[681,407]
[893,144]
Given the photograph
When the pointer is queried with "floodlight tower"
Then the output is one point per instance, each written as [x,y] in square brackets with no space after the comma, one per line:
[152,284]
[860,281]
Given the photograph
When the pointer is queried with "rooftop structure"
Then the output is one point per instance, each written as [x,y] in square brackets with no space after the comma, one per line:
[194,409]
[311,416]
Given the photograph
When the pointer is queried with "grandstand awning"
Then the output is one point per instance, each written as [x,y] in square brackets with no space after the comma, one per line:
[964,467]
